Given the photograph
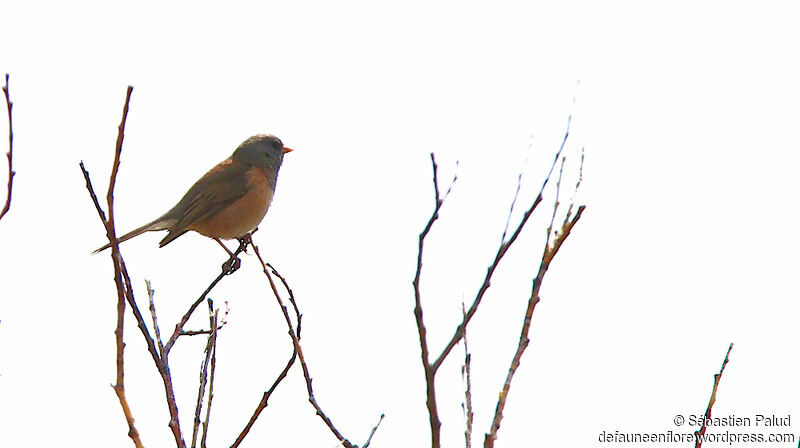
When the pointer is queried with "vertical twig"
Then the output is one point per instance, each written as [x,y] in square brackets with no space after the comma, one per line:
[10,152]
[214,330]
[427,366]
[717,377]
[151,297]
[372,433]
[204,372]
[466,373]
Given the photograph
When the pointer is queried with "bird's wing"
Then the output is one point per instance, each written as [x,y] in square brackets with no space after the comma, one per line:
[218,188]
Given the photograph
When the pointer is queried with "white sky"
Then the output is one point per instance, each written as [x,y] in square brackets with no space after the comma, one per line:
[688,112]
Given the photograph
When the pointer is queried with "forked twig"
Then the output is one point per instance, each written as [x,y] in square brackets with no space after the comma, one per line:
[151,298]
[297,348]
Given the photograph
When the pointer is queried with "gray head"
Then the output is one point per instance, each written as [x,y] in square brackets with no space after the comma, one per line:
[262,150]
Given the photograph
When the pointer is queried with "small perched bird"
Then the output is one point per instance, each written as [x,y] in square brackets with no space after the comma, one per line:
[230,200]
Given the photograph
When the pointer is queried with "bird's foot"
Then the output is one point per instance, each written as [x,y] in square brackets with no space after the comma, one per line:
[231,266]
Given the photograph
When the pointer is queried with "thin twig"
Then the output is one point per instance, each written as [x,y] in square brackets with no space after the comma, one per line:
[717,377]
[281,376]
[10,152]
[516,191]
[199,332]
[568,215]
[203,375]
[501,251]
[264,400]
[466,373]
[372,433]
[150,296]
[547,258]
[211,380]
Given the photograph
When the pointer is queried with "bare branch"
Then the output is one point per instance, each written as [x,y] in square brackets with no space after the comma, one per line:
[547,258]
[115,169]
[119,386]
[501,251]
[125,293]
[430,370]
[281,376]
[151,295]
[296,342]
[717,377]
[10,152]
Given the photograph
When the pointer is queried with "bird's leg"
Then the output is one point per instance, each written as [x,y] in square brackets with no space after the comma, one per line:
[224,247]
[233,262]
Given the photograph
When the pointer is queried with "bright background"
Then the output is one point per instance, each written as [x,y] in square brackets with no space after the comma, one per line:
[688,112]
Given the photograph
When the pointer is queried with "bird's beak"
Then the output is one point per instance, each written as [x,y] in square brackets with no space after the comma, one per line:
[287,149]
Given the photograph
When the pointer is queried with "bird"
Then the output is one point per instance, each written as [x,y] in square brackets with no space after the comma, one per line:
[229,201]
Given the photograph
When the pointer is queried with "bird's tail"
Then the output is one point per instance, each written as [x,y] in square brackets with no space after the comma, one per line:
[158,224]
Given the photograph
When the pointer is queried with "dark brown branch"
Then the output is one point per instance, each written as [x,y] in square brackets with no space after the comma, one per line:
[10,152]
[430,370]
[717,377]
[123,282]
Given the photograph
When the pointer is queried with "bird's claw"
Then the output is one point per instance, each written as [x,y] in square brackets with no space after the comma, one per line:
[231,266]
